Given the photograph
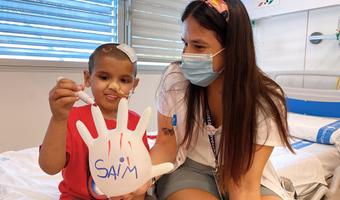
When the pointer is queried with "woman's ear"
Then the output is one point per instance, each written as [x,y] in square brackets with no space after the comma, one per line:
[87,76]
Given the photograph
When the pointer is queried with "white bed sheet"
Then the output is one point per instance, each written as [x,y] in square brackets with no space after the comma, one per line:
[313,128]
[310,166]
[22,178]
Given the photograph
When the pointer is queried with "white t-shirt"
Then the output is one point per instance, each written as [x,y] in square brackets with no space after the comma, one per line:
[171,101]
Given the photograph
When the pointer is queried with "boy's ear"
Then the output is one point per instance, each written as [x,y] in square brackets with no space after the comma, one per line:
[135,83]
[87,75]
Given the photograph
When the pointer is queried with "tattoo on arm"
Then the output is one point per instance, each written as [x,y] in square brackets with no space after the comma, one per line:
[168,131]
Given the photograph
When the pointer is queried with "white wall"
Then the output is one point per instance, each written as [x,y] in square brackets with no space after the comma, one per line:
[325,55]
[24,108]
[282,44]
[279,7]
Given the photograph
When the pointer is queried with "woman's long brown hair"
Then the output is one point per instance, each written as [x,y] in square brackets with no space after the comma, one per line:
[246,90]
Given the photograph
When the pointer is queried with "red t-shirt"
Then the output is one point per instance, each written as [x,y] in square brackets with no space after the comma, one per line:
[76,172]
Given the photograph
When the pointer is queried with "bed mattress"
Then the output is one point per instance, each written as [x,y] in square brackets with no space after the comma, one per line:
[22,178]
[311,166]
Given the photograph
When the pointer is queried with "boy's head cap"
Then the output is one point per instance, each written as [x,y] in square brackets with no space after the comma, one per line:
[128,51]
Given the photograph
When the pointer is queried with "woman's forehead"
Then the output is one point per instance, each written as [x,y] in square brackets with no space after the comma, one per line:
[192,31]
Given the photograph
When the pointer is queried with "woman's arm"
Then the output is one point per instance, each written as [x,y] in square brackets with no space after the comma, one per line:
[165,148]
[250,183]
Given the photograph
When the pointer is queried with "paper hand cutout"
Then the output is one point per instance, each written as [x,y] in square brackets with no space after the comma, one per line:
[118,159]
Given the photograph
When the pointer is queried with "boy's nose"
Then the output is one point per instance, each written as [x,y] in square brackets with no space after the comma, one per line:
[114,85]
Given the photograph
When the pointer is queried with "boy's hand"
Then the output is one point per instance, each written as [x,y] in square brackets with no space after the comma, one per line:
[138,194]
[62,98]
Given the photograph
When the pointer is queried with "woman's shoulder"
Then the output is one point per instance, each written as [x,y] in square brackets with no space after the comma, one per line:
[173,69]
[267,127]
[265,111]
[173,77]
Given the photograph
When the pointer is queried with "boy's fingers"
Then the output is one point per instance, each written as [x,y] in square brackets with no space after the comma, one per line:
[68,84]
[59,78]
[82,86]
[58,93]
[142,190]
[124,197]
[67,100]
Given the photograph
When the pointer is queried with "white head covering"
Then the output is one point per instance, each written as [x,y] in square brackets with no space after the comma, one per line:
[130,52]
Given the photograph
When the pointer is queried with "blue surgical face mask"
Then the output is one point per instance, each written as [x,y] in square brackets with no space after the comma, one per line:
[198,68]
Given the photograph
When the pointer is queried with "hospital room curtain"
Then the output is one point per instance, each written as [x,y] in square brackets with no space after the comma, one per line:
[156,31]
[54,29]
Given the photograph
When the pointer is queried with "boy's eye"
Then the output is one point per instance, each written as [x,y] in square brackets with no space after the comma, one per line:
[126,80]
[103,77]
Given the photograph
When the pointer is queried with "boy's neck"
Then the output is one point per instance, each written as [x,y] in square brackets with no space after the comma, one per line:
[109,116]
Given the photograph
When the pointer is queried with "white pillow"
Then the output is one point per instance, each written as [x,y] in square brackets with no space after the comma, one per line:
[315,129]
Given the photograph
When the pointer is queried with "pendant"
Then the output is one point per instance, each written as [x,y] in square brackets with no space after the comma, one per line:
[211,129]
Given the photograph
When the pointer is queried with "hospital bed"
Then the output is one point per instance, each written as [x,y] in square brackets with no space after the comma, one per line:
[313,119]
[22,178]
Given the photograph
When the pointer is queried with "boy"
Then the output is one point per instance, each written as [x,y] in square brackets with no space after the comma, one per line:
[111,76]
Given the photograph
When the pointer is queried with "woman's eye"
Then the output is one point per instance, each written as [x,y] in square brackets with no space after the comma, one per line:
[185,44]
[199,47]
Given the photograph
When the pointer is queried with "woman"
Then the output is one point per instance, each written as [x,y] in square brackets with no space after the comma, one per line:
[219,116]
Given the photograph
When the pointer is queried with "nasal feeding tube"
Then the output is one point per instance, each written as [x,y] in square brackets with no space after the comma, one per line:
[120,92]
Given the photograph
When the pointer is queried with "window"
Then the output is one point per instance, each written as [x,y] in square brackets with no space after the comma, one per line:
[54,30]
[156,31]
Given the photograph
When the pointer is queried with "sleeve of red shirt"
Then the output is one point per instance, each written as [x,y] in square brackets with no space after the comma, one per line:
[145,140]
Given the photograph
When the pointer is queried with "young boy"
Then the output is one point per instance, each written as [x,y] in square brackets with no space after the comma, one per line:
[111,76]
